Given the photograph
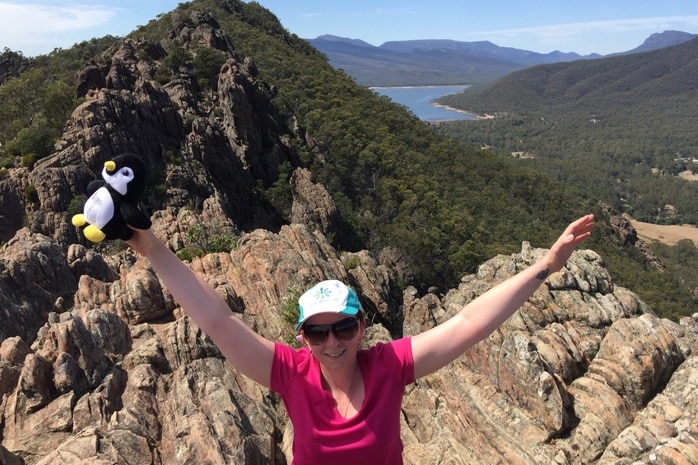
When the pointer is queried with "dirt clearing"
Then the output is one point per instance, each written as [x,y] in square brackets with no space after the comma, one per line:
[667,234]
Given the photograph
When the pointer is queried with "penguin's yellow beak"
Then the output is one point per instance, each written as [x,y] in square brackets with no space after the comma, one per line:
[110,166]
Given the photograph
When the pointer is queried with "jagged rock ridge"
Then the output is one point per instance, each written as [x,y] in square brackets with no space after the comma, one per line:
[99,365]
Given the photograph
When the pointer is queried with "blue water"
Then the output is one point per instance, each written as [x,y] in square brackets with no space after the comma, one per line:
[419,101]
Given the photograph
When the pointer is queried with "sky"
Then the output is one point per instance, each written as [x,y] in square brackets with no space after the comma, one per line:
[37,27]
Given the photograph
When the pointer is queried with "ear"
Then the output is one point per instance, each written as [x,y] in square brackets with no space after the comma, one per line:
[302,340]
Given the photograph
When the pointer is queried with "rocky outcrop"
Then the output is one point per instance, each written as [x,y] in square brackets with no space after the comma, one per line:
[29,288]
[117,373]
[561,381]
[313,205]
[214,149]
[627,235]
[13,183]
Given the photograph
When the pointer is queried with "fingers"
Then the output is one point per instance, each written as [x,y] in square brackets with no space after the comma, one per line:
[581,228]
[577,232]
[585,223]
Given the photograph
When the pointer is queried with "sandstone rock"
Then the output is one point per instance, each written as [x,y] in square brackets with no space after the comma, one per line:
[12,202]
[313,205]
[552,385]
[627,235]
[14,350]
[29,289]
[666,431]
[562,381]
[86,262]
[90,78]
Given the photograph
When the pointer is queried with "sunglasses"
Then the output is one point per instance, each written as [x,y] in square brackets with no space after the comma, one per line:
[344,330]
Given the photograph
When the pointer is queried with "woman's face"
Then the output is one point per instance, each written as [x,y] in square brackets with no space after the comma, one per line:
[334,351]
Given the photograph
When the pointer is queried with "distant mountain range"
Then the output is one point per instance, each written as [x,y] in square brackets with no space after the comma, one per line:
[442,62]
[661,83]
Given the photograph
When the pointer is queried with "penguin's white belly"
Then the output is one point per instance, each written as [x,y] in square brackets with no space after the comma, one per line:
[99,208]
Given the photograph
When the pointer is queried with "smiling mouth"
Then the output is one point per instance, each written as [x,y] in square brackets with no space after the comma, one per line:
[336,355]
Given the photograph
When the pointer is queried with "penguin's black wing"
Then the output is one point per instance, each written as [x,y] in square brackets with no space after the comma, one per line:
[94,185]
[134,216]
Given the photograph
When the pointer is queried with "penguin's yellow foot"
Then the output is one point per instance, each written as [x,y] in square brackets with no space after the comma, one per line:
[79,220]
[94,234]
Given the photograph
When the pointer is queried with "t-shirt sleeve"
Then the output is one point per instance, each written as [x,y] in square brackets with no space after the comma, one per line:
[397,355]
[284,368]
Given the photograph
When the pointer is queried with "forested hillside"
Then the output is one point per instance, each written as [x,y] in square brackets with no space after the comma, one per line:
[620,129]
[444,206]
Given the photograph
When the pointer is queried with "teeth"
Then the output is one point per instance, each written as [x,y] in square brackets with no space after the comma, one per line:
[335,355]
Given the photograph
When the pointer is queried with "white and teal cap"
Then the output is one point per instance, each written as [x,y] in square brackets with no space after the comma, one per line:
[329,296]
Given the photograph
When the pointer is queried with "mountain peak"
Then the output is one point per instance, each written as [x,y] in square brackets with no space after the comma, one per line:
[663,39]
[342,40]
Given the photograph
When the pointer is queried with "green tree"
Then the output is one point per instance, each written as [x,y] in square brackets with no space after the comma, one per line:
[22,97]
[207,63]
[33,112]
[57,104]
[35,140]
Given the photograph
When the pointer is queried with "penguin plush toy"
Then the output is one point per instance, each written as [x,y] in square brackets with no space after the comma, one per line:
[112,205]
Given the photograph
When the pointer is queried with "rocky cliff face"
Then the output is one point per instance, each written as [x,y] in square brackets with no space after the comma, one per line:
[99,365]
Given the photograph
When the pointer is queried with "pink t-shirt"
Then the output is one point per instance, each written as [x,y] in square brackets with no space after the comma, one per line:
[321,434]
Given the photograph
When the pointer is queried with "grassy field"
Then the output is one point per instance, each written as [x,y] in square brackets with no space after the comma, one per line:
[667,234]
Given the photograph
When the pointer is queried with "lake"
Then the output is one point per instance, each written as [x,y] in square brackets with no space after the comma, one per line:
[419,101]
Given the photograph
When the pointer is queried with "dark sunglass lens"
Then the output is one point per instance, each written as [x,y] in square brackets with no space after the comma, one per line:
[346,329]
[316,334]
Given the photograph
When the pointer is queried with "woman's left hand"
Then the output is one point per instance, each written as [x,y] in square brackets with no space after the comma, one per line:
[576,233]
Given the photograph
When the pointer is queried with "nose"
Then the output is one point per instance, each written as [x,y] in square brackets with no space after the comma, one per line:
[331,339]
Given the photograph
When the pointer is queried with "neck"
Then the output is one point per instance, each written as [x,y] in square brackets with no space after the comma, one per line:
[340,378]
[343,391]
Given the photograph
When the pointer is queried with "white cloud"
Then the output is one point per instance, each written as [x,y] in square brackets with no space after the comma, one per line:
[557,31]
[35,17]
[606,36]
[26,26]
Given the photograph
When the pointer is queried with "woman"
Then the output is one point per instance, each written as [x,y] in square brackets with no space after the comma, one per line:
[345,403]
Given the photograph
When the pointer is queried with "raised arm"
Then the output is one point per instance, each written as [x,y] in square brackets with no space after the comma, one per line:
[246,350]
[441,345]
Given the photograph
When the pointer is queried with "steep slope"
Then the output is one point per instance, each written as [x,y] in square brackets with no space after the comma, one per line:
[619,129]
[390,175]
